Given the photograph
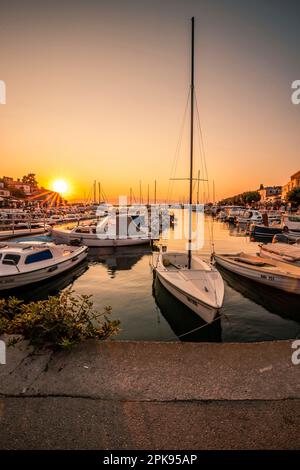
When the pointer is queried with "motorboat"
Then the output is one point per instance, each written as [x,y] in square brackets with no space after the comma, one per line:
[112,230]
[289,227]
[271,272]
[221,216]
[29,263]
[249,216]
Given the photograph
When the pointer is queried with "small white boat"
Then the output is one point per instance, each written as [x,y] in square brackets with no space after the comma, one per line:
[196,283]
[232,212]
[271,272]
[249,216]
[221,216]
[201,287]
[281,251]
[29,263]
[105,233]
[55,219]
[23,230]
[291,224]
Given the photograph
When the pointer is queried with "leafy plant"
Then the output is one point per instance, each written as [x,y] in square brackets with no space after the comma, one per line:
[293,196]
[59,322]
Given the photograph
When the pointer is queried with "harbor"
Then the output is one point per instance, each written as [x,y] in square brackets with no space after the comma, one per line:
[123,279]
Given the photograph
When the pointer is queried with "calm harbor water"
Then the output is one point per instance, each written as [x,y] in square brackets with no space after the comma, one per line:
[123,279]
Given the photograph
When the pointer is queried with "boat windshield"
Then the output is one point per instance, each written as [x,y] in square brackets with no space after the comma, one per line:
[39,256]
[11,258]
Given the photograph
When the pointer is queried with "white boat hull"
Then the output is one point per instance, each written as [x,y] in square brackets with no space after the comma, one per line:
[7,234]
[14,281]
[200,288]
[204,311]
[92,241]
[276,280]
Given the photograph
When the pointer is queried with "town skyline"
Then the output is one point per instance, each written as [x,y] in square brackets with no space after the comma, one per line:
[29,185]
[115,114]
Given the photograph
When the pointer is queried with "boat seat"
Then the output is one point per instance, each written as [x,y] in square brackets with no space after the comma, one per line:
[249,261]
[168,263]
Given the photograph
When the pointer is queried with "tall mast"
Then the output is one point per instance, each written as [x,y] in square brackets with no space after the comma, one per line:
[99,192]
[140,192]
[191,143]
[154,191]
[95,200]
[198,183]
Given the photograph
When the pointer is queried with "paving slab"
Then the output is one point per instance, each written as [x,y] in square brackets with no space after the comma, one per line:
[77,423]
[148,371]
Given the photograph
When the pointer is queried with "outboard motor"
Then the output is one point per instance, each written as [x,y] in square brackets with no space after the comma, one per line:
[280,238]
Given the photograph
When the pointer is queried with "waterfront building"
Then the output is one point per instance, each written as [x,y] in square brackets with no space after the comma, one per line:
[294,182]
[270,193]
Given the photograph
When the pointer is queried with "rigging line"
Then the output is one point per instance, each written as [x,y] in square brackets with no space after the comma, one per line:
[133,197]
[198,328]
[211,222]
[105,195]
[173,170]
[177,150]
[171,182]
[202,142]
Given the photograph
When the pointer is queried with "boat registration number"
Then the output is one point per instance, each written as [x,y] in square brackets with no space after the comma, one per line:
[269,278]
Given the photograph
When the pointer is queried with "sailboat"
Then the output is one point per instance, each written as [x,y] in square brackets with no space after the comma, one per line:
[193,281]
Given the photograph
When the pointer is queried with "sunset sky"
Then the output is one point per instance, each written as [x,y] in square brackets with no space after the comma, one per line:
[98,89]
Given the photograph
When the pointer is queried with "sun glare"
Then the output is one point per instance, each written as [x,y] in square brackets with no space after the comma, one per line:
[60,186]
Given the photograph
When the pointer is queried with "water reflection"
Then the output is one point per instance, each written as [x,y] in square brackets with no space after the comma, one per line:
[240,230]
[275,301]
[53,286]
[122,278]
[118,259]
[186,324]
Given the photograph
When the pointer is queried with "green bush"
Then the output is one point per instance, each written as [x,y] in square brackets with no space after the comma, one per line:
[59,322]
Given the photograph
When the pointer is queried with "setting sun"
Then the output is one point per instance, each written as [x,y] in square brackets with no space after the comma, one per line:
[60,186]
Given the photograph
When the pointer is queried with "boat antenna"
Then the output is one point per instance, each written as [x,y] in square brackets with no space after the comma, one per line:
[191,142]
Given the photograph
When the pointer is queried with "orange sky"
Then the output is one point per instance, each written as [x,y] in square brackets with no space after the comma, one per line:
[98,91]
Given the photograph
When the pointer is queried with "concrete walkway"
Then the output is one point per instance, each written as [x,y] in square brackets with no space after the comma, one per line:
[134,395]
